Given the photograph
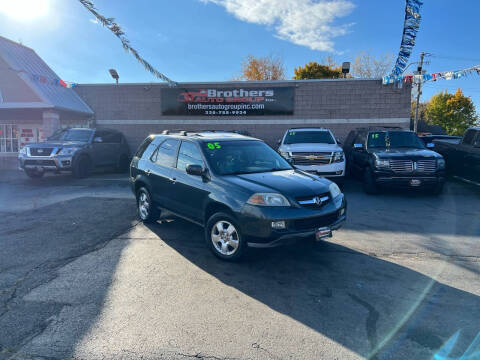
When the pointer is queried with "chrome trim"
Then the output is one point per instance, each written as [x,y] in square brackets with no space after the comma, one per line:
[315,200]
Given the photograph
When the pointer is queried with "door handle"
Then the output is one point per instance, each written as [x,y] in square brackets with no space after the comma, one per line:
[148,171]
[173,180]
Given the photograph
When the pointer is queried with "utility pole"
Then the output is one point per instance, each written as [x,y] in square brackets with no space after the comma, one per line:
[419,92]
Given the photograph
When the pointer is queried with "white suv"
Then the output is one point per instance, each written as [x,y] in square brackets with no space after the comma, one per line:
[314,150]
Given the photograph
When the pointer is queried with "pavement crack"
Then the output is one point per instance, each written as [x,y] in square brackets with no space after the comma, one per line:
[371,322]
[204,357]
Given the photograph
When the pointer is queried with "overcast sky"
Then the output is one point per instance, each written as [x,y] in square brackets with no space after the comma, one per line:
[197,40]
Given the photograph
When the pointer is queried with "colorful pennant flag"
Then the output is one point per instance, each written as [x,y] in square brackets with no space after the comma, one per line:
[410,29]
[447,75]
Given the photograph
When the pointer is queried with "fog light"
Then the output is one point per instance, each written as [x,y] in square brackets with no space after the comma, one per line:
[339,172]
[342,211]
[278,225]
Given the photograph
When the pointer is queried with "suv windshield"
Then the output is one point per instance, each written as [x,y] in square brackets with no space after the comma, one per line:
[81,135]
[394,139]
[308,137]
[243,157]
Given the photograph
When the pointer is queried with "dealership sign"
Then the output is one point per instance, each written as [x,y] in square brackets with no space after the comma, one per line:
[228,101]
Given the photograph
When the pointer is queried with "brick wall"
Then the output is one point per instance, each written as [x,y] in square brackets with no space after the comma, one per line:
[340,105]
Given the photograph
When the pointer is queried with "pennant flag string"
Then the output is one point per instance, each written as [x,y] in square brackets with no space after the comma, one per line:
[446,75]
[410,30]
[45,80]
[117,30]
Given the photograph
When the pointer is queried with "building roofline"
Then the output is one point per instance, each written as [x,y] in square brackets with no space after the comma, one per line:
[227,82]
[16,43]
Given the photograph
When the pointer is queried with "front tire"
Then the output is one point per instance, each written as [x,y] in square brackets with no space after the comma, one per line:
[82,167]
[147,212]
[34,174]
[224,238]
[369,185]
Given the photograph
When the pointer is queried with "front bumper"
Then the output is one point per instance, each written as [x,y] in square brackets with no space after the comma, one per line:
[413,180]
[300,222]
[45,163]
[334,170]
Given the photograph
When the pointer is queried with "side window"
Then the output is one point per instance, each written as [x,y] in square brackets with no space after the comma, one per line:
[166,153]
[469,136]
[143,146]
[112,138]
[101,134]
[477,140]
[189,154]
[360,139]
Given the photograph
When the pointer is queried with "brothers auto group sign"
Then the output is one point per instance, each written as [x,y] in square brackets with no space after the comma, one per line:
[228,101]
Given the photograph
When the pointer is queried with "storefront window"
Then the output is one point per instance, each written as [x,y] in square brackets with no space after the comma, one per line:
[8,138]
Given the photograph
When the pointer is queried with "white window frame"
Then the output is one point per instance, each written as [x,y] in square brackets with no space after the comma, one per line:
[8,134]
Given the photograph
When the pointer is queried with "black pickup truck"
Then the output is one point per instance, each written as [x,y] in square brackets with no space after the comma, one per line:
[393,157]
[463,159]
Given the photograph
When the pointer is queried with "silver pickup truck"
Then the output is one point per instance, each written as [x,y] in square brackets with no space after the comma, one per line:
[77,150]
[463,159]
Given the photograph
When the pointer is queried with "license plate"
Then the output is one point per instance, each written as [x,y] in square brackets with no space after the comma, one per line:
[415,182]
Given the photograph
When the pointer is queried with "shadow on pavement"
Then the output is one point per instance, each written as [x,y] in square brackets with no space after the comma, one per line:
[373,307]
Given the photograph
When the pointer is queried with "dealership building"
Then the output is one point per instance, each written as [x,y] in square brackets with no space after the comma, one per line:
[34,102]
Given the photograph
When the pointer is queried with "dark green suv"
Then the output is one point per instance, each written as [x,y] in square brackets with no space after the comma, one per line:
[238,188]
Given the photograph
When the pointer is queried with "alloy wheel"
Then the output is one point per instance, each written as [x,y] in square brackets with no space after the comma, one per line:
[143,206]
[225,238]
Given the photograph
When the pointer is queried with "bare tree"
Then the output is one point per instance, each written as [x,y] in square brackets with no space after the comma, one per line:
[262,68]
[368,66]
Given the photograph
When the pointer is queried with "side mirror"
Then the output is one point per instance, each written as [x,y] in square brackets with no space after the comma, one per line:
[338,141]
[279,142]
[430,145]
[358,146]
[98,139]
[196,170]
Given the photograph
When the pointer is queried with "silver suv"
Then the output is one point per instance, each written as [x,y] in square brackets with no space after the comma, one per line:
[77,150]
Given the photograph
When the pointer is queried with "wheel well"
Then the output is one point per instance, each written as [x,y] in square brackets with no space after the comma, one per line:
[138,185]
[82,156]
[215,207]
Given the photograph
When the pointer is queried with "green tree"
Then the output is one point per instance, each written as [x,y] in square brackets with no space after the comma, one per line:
[314,70]
[454,112]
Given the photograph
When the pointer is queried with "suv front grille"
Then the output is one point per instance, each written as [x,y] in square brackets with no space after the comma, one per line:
[315,222]
[313,201]
[40,151]
[401,165]
[426,166]
[314,158]
[408,166]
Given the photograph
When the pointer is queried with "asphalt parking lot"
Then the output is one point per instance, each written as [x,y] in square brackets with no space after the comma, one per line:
[81,278]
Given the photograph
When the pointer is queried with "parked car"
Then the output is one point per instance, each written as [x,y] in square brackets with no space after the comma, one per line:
[395,158]
[238,188]
[314,150]
[78,150]
[463,159]
[428,140]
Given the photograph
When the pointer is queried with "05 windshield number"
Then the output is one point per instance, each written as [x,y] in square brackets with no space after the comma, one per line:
[213,146]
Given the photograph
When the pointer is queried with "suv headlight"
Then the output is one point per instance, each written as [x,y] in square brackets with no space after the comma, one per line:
[441,163]
[68,151]
[379,163]
[285,154]
[268,199]
[334,190]
[338,156]
[23,151]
